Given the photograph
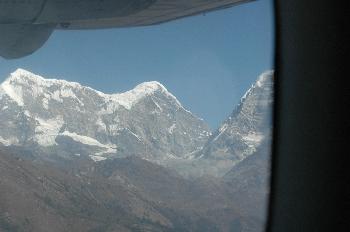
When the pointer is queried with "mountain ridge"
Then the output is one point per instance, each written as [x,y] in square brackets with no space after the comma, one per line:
[126,99]
[153,125]
[55,110]
[238,137]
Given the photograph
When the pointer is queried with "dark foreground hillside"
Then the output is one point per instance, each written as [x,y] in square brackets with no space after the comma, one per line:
[124,195]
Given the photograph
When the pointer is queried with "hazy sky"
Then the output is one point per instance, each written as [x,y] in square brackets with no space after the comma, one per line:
[207,61]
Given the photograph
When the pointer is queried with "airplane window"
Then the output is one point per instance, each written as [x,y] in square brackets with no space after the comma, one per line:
[136,126]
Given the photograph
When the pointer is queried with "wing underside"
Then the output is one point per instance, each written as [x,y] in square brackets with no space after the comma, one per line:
[159,12]
[23,39]
[24,28]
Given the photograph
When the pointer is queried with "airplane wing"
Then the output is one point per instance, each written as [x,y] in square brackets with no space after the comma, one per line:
[159,12]
[23,39]
[26,25]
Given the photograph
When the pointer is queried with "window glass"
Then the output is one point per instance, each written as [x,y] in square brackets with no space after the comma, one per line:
[157,128]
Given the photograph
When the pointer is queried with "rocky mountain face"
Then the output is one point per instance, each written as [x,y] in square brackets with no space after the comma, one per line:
[245,129]
[64,118]
[239,136]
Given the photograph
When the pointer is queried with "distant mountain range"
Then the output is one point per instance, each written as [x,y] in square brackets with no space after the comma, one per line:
[85,156]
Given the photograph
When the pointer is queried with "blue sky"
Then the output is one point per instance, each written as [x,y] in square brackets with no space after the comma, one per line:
[207,61]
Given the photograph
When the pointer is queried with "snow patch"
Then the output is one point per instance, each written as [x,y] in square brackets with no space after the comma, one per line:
[97,158]
[27,113]
[253,139]
[101,125]
[68,93]
[264,77]
[222,129]
[135,135]
[83,139]
[14,92]
[46,103]
[57,96]
[109,148]
[2,92]
[9,141]
[157,105]
[171,129]
[46,131]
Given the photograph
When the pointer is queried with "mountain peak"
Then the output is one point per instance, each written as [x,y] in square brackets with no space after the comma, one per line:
[150,86]
[23,77]
[22,72]
[264,78]
[142,90]
[20,75]
[13,87]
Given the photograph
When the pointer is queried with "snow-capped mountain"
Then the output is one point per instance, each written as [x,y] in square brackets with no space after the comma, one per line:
[239,136]
[59,117]
[251,121]
[54,117]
